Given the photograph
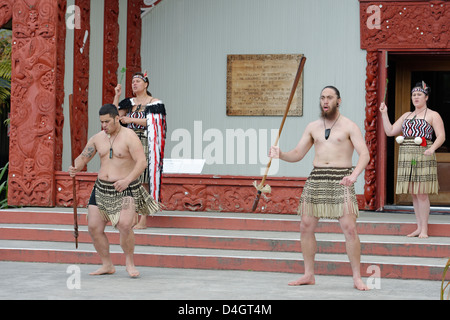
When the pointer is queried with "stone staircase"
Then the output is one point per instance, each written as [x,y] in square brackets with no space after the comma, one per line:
[232,241]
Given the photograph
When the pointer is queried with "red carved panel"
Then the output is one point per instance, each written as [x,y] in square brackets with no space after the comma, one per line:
[5,11]
[229,194]
[134,27]
[204,193]
[84,184]
[110,49]
[370,126]
[405,24]
[80,119]
[60,71]
[33,103]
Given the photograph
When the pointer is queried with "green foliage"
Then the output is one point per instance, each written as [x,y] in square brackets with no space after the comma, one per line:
[443,288]
[5,68]
[4,189]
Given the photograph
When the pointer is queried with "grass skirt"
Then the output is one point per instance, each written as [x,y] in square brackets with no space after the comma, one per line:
[111,202]
[324,197]
[416,173]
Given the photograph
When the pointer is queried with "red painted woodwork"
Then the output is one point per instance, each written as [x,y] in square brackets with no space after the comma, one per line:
[410,25]
[5,11]
[370,125]
[134,27]
[201,193]
[81,49]
[34,118]
[183,192]
[59,85]
[110,49]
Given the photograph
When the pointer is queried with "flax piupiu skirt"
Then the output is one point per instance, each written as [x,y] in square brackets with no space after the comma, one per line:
[110,202]
[416,172]
[324,197]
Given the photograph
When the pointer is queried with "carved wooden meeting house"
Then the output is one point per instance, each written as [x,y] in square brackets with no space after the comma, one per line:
[77,48]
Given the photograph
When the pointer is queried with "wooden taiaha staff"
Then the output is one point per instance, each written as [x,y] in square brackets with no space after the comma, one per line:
[266,188]
[74,189]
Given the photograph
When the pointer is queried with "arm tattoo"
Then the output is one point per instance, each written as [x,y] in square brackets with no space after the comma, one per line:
[88,151]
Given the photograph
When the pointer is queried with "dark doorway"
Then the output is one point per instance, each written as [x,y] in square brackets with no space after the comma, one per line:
[404,72]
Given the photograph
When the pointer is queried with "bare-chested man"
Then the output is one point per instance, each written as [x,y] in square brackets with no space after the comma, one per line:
[117,195]
[329,191]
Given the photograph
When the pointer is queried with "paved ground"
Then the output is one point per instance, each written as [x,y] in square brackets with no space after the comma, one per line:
[31,281]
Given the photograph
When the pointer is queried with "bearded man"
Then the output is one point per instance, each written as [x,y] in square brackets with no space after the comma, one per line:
[329,191]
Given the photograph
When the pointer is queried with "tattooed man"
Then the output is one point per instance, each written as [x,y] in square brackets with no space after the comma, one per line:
[117,195]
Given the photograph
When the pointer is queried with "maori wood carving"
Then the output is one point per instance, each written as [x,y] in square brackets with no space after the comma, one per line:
[405,25]
[229,194]
[110,50]
[134,27]
[370,125]
[5,11]
[79,129]
[202,193]
[60,69]
[33,103]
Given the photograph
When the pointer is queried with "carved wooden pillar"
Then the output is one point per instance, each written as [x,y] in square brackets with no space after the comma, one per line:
[59,85]
[110,49]
[79,129]
[134,27]
[370,125]
[33,136]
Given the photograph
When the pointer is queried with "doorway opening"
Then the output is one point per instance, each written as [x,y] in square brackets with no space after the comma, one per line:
[403,73]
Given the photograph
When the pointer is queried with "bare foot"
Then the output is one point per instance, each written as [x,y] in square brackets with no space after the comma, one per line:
[132,271]
[414,234]
[360,285]
[423,235]
[305,280]
[140,226]
[104,270]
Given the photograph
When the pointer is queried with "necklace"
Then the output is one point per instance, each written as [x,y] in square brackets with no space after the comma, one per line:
[328,131]
[145,100]
[111,143]
[415,115]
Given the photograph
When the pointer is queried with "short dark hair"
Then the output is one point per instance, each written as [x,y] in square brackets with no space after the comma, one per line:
[108,109]
[335,90]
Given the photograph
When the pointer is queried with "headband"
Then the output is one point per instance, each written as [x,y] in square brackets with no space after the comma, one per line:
[143,78]
[423,89]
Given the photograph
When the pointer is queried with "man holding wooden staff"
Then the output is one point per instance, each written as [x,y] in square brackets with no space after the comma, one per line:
[117,195]
[329,191]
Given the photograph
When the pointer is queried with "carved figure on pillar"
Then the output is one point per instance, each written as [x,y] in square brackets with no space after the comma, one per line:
[370,125]
[33,103]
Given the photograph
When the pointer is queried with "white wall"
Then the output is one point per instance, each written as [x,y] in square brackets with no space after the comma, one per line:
[185,46]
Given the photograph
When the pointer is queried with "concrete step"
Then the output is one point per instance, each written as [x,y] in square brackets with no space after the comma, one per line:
[193,258]
[437,247]
[368,223]
[232,242]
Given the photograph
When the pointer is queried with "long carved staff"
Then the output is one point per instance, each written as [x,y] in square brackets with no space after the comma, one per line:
[266,188]
[74,189]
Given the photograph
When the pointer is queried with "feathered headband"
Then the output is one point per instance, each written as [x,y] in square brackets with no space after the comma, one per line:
[425,89]
[142,76]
